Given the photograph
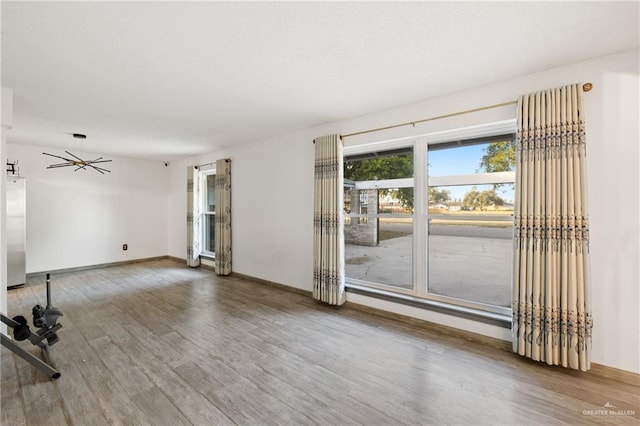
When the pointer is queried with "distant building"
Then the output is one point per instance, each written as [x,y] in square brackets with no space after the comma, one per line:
[455,206]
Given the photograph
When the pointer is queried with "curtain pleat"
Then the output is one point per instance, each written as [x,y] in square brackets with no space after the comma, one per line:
[328,222]
[223,217]
[551,306]
[193,217]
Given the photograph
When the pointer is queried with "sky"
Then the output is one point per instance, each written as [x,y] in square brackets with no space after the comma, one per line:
[462,161]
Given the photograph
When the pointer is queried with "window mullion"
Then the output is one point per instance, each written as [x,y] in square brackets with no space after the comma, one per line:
[420,242]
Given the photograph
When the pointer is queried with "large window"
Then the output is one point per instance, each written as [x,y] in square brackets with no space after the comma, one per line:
[208,212]
[379,218]
[470,211]
[433,219]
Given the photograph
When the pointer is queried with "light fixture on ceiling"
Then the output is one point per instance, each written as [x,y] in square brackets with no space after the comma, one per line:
[78,162]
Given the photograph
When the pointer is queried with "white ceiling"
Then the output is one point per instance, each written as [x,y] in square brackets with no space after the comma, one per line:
[167,80]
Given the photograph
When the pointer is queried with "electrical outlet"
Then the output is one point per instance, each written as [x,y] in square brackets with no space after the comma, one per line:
[125,247]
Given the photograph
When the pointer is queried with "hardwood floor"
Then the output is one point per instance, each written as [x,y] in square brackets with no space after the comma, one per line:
[159,343]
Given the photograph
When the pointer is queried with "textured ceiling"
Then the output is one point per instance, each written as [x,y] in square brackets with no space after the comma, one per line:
[166,80]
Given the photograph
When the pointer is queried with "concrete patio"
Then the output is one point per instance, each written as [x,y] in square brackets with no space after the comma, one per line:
[471,268]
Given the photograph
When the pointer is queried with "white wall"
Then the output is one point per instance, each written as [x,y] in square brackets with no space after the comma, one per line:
[82,218]
[3,226]
[6,122]
[270,213]
[272,183]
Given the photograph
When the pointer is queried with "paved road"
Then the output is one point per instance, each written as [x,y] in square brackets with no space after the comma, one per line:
[472,231]
[488,217]
[454,230]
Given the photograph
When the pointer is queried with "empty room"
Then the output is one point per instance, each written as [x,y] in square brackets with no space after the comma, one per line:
[325,213]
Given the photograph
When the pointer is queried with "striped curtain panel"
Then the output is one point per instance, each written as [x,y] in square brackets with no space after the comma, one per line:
[328,222]
[223,217]
[193,217]
[551,307]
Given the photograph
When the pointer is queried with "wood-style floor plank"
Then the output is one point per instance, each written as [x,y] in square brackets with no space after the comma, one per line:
[11,402]
[158,409]
[158,343]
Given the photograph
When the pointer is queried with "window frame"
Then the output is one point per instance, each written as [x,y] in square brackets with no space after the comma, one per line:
[420,181]
[203,174]
[393,148]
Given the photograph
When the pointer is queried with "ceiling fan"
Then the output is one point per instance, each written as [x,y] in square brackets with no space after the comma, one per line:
[78,162]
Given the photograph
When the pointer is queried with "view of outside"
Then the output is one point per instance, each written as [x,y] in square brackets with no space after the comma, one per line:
[470,223]
[209,228]
[379,219]
[471,226]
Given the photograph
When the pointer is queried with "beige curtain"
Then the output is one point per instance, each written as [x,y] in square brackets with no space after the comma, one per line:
[328,222]
[551,307]
[193,217]
[223,217]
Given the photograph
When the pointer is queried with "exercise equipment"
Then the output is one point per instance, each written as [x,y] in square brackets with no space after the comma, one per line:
[45,319]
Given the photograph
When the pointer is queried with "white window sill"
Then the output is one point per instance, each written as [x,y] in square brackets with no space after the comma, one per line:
[491,318]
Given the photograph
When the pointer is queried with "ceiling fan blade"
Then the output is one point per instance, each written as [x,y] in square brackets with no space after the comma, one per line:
[57,156]
[76,157]
[100,169]
[97,160]
[54,166]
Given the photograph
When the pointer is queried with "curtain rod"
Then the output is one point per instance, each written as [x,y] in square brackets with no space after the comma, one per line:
[197,166]
[585,87]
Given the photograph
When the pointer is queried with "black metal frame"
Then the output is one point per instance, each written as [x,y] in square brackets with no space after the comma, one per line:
[44,337]
[47,366]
